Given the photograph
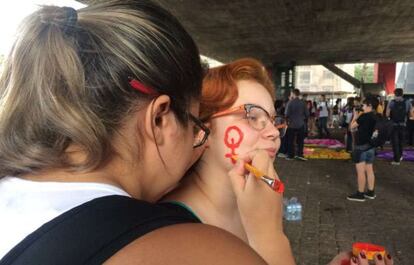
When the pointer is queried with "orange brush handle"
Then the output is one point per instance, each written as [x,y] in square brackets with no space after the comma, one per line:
[277,185]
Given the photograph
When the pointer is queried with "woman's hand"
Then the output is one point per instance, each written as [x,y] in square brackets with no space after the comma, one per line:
[346,258]
[261,209]
[378,260]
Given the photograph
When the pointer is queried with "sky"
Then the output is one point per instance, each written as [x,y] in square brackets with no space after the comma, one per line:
[12,12]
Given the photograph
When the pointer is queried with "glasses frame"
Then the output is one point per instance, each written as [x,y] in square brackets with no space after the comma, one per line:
[202,127]
[246,109]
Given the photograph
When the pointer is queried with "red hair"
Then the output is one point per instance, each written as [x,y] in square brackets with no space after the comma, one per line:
[220,91]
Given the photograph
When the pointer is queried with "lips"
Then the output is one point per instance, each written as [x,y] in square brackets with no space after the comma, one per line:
[271,152]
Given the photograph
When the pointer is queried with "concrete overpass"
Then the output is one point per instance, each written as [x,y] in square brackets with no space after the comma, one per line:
[303,31]
[285,33]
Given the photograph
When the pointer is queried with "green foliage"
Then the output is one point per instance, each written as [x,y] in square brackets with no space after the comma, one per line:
[364,72]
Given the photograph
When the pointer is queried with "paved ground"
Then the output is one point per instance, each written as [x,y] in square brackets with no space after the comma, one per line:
[331,223]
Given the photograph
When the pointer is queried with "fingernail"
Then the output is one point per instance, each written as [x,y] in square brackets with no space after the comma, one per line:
[362,254]
[379,256]
[388,256]
[354,260]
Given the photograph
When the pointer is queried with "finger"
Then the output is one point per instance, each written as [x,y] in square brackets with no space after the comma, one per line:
[237,178]
[272,171]
[379,259]
[261,161]
[353,261]
[389,260]
[362,258]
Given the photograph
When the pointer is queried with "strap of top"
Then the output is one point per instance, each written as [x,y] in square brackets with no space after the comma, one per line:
[94,231]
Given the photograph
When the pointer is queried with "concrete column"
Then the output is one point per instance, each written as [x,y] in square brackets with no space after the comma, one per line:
[284,78]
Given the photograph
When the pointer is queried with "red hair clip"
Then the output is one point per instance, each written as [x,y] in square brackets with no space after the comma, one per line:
[135,84]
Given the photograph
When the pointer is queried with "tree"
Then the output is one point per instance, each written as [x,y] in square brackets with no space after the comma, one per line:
[364,72]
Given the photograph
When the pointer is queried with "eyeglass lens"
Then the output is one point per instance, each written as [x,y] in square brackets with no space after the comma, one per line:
[258,119]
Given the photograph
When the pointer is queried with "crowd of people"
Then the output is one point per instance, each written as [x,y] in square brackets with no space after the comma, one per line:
[358,117]
[115,140]
[316,119]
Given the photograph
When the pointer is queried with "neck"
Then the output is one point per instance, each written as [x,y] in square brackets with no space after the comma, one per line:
[113,173]
[208,192]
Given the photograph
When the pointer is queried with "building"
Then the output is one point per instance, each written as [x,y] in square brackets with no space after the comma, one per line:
[315,80]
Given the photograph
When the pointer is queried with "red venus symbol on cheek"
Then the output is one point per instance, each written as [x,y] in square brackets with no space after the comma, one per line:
[230,142]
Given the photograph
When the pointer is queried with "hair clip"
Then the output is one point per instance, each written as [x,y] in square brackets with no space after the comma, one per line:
[135,84]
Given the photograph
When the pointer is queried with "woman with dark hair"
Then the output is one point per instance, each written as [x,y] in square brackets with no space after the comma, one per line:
[98,122]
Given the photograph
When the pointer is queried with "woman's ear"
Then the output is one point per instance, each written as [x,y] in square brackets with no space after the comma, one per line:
[157,119]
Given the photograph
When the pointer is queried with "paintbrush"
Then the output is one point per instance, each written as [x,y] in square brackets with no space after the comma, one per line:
[275,184]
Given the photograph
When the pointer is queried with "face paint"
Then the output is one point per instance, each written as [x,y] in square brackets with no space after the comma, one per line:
[230,142]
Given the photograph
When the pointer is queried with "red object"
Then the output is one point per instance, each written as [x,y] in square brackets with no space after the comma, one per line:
[370,250]
[385,73]
[278,186]
[135,84]
[232,144]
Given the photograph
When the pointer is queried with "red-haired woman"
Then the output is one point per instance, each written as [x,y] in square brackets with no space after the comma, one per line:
[237,104]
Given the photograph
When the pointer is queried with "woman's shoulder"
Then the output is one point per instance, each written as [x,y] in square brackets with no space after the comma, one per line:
[188,243]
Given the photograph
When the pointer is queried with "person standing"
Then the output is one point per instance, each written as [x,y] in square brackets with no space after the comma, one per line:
[335,113]
[363,154]
[296,114]
[410,125]
[323,117]
[348,115]
[397,111]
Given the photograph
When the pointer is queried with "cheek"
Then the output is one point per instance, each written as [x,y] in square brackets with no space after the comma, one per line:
[278,142]
[238,140]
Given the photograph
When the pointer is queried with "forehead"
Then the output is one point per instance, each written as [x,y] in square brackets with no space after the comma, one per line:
[254,93]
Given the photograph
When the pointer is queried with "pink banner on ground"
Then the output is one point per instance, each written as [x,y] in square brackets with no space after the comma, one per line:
[330,143]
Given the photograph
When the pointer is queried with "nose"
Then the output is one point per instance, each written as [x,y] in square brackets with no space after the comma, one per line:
[271,132]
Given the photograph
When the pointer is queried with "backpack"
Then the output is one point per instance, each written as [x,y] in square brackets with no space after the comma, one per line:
[398,111]
[382,131]
[91,233]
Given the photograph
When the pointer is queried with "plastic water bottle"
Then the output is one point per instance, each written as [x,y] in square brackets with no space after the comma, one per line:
[287,208]
[293,209]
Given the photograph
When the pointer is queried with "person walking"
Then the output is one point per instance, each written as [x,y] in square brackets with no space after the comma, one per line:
[397,111]
[296,115]
[323,118]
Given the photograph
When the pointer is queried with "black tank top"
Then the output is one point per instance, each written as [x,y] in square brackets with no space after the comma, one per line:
[94,231]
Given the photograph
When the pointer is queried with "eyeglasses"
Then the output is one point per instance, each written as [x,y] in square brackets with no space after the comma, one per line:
[201,132]
[257,117]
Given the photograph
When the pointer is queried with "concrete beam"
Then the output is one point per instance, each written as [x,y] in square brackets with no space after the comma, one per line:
[342,74]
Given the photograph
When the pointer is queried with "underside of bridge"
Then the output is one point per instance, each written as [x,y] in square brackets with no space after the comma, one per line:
[302,31]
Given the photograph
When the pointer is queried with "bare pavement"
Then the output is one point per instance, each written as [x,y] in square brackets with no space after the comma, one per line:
[331,223]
